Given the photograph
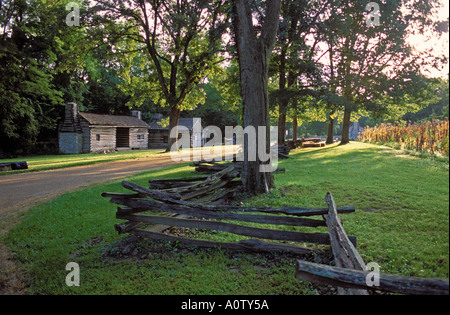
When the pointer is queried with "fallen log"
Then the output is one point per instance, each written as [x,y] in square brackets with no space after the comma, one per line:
[4,167]
[19,165]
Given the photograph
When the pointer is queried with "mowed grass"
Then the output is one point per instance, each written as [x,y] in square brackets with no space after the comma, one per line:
[402,202]
[48,162]
[401,222]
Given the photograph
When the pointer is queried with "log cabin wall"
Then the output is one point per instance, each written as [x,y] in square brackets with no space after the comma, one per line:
[158,138]
[102,139]
[139,138]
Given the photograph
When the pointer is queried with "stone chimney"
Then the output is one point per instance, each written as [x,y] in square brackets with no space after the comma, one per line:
[137,114]
[70,134]
[71,119]
[72,111]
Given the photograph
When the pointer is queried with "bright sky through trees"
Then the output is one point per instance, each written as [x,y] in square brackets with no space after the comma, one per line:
[439,45]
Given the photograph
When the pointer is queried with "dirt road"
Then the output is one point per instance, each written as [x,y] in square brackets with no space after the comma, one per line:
[26,189]
[19,192]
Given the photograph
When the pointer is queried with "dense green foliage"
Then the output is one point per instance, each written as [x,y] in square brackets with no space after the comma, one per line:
[45,63]
[326,59]
[27,93]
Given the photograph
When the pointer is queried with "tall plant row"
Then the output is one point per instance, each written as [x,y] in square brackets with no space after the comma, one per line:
[430,136]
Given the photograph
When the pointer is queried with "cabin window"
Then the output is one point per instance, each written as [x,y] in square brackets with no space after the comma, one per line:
[140,137]
[97,137]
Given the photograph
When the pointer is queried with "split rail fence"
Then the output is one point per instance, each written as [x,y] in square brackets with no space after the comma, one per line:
[177,208]
[197,203]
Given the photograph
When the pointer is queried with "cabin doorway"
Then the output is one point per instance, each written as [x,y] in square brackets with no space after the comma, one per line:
[123,138]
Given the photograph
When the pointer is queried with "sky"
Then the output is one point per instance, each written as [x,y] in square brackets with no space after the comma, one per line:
[440,45]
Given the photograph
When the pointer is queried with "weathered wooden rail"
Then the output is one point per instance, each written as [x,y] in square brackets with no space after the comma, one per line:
[212,167]
[356,280]
[215,188]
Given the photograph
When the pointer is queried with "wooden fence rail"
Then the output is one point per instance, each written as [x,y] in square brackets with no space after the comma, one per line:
[356,280]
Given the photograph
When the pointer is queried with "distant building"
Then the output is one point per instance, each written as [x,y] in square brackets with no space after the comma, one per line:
[354,131]
[94,133]
[158,136]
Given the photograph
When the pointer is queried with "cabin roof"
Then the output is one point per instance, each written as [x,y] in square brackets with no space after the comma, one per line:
[113,120]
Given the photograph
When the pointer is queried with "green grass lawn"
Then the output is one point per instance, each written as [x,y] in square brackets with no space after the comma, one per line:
[48,162]
[401,223]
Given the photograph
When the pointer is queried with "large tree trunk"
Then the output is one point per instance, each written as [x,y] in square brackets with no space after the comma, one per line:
[283,104]
[173,123]
[282,122]
[330,139]
[346,127]
[254,54]
[256,114]
[294,127]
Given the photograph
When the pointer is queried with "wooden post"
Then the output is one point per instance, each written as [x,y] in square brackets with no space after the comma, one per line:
[345,253]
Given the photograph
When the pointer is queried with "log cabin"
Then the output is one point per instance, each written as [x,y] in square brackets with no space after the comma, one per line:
[94,133]
[159,133]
